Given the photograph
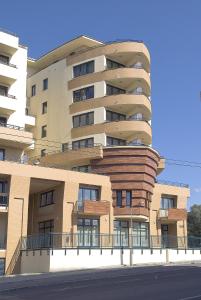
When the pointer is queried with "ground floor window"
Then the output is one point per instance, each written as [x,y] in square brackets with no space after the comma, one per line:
[121,233]
[88,232]
[140,234]
[2,266]
[45,239]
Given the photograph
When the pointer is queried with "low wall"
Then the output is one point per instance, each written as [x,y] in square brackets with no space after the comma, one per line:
[71,259]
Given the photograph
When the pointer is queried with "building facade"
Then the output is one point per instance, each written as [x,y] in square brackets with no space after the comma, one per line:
[83,164]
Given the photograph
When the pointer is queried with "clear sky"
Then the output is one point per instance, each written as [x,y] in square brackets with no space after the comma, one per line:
[172,31]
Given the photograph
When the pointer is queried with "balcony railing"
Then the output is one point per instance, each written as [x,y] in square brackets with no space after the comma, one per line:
[2,124]
[179,184]
[92,207]
[8,96]
[172,214]
[108,241]
[8,64]
[4,199]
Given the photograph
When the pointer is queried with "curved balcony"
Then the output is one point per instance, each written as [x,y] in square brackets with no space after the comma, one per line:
[125,103]
[127,52]
[128,130]
[125,78]
[136,213]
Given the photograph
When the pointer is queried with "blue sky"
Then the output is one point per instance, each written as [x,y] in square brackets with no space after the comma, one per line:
[171,30]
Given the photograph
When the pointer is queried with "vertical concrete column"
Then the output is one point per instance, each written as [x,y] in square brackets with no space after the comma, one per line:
[17,213]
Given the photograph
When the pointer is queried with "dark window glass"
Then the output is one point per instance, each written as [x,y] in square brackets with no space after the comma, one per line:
[129,198]
[86,143]
[83,69]
[44,131]
[113,90]
[83,120]
[4,59]
[44,108]
[2,154]
[3,90]
[65,147]
[43,152]
[46,198]
[115,142]
[85,169]
[140,234]
[113,116]
[83,94]
[33,90]
[45,84]
[88,193]
[111,64]
[3,121]
[119,198]
[46,226]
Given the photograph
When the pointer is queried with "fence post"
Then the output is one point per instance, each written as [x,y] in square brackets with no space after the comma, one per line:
[167,255]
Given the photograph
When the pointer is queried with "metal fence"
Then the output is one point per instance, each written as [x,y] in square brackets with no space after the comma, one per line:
[88,240]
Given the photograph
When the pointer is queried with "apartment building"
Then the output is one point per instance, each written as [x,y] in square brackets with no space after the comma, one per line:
[83,163]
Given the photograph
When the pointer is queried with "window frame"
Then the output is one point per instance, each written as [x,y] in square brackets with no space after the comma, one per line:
[84,68]
[33,90]
[46,200]
[110,88]
[45,84]
[3,154]
[87,145]
[44,108]
[44,131]
[87,119]
[112,139]
[114,116]
[83,94]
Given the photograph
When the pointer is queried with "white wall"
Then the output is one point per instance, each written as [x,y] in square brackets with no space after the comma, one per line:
[61,260]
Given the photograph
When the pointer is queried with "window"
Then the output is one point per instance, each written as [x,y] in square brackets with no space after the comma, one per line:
[83,120]
[46,226]
[65,147]
[88,232]
[43,152]
[3,195]
[83,94]
[45,84]
[3,90]
[140,234]
[137,116]
[4,59]
[111,64]
[86,143]
[83,69]
[33,90]
[128,198]
[3,186]
[3,121]
[85,169]
[167,202]
[44,108]
[113,90]
[113,116]
[115,142]
[44,131]
[119,198]
[47,198]
[2,154]
[136,142]
[88,193]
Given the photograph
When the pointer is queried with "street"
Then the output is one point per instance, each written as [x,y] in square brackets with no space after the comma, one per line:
[178,282]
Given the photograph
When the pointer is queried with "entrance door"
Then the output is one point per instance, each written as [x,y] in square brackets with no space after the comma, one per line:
[164,236]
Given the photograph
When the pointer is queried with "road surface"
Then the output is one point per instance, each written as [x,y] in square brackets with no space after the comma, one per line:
[181,282]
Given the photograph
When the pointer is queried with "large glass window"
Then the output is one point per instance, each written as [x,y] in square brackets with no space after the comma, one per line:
[111,64]
[86,143]
[46,226]
[83,69]
[167,202]
[83,94]
[83,120]
[140,234]
[88,232]
[2,154]
[113,90]
[47,198]
[113,116]
[115,142]
[88,193]
[121,233]
[3,90]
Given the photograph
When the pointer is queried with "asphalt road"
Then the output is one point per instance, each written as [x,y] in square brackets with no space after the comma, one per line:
[181,282]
